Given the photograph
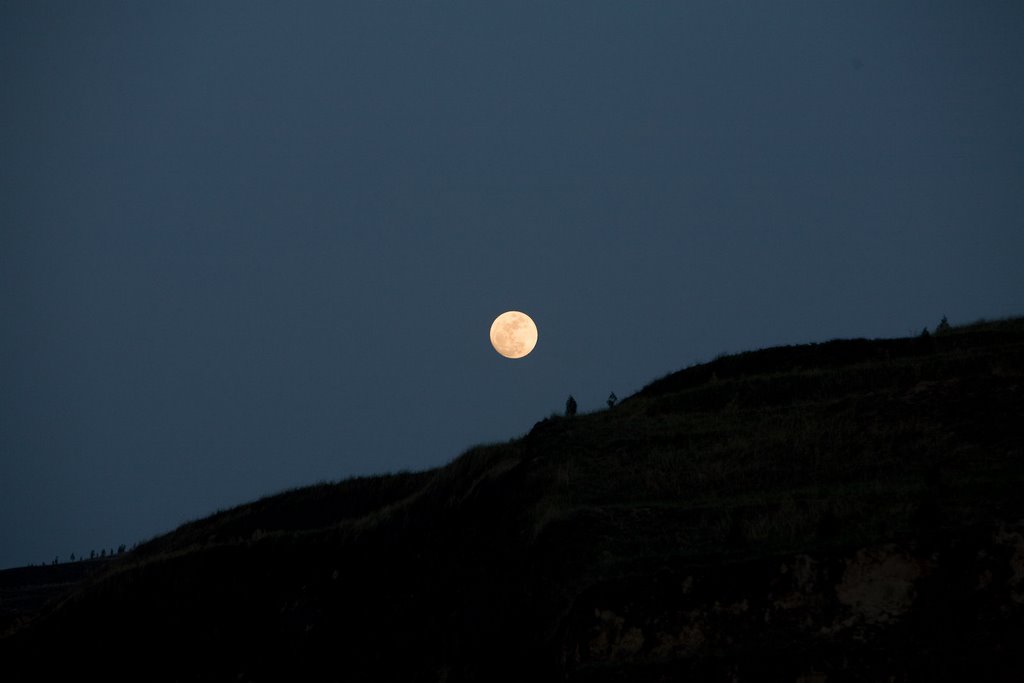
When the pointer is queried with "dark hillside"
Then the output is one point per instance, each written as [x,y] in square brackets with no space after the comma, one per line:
[24,591]
[842,511]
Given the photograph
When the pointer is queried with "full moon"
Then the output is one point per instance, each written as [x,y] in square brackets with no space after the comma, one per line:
[513,334]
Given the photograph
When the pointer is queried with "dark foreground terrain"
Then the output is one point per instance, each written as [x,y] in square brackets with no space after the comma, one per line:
[846,511]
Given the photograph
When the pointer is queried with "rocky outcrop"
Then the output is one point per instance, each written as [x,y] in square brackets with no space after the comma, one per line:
[899,611]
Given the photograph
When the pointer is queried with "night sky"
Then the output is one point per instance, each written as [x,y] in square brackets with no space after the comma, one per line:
[248,246]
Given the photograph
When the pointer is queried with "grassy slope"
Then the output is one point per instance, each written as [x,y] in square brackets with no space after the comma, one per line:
[470,571]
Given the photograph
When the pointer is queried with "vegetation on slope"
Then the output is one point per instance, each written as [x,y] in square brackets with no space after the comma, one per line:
[496,566]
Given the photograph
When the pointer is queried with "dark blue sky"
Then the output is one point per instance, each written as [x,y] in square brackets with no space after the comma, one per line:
[246,246]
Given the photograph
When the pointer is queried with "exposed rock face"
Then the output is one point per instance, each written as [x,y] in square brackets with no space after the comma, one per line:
[878,585]
[1011,540]
[903,611]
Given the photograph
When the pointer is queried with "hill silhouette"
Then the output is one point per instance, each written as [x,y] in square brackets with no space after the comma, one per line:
[850,510]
